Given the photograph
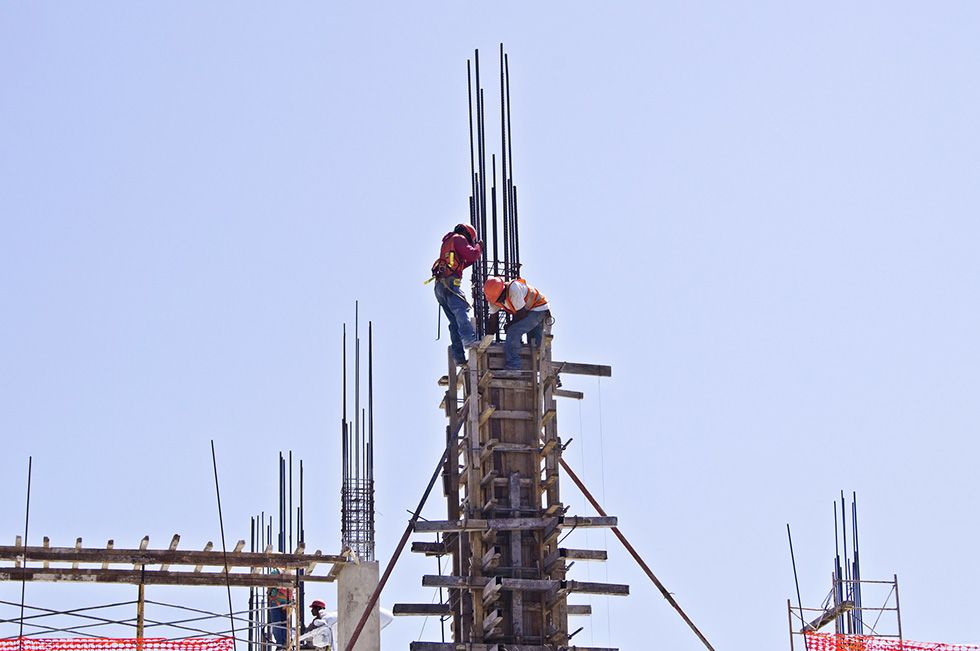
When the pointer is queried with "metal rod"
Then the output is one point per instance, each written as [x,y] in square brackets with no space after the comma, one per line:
[141,596]
[357,394]
[370,450]
[503,160]
[469,100]
[224,549]
[394,557]
[796,579]
[511,189]
[635,555]
[898,609]
[27,520]
[290,546]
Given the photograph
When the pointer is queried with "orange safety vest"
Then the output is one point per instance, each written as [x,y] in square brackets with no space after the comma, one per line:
[534,298]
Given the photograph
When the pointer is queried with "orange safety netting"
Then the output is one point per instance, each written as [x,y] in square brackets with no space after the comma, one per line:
[116,644]
[831,642]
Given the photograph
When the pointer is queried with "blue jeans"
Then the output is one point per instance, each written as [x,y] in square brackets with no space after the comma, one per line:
[453,303]
[277,622]
[533,326]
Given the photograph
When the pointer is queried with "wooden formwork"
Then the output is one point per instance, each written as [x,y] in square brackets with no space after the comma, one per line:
[508,581]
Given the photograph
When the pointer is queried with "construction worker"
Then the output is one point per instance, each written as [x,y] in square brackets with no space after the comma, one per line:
[278,601]
[317,634]
[316,608]
[459,250]
[529,309]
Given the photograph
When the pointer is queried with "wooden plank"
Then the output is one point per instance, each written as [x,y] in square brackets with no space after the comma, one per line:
[485,380]
[426,610]
[173,546]
[565,393]
[491,558]
[515,414]
[584,554]
[492,620]
[579,609]
[574,368]
[828,616]
[589,521]
[480,583]
[108,545]
[46,543]
[503,524]
[208,547]
[487,413]
[78,545]
[144,543]
[154,577]
[484,344]
[500,383]
[584,587]
[430,548]
[163,556]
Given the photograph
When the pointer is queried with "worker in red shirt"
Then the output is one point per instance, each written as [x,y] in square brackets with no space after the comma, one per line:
[459,250]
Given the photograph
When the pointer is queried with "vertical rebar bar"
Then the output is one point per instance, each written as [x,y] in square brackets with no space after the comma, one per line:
[27,520]
[224,547]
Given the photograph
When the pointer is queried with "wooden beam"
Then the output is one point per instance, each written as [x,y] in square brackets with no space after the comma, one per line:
[143,544]
[565,393]
[574,368]
[484,344]
[487,413]
[430,548]
[208,547]
[512,414]
[108,545]
[154,577]
[828,616]
[483,583]
[597,588]
[173,547]
[426,610]
[163,556]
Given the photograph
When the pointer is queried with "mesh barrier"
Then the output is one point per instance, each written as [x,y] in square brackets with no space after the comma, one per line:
[830,642]
[116,644]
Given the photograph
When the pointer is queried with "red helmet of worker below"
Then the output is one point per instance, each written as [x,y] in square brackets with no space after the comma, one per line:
[318,604]
[466,230]
[493,288]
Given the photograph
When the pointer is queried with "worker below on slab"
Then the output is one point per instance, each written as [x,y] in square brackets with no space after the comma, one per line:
[529,311]
[459,250]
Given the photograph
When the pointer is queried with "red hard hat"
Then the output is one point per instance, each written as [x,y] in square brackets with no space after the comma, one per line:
[493,288]
[469,230]
[318,604]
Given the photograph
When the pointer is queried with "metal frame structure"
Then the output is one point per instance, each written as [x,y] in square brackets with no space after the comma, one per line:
[845,605]
[357,445]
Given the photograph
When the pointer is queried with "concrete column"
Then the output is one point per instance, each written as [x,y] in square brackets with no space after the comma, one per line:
[355,585]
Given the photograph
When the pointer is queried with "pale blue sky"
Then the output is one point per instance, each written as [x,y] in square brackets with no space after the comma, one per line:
[762,215]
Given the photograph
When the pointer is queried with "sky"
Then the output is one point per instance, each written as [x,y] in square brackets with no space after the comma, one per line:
[762,215]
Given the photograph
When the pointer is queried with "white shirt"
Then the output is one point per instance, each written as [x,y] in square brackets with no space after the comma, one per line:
[518,298]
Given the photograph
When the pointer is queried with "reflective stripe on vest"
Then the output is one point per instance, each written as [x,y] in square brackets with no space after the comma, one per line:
[534,298]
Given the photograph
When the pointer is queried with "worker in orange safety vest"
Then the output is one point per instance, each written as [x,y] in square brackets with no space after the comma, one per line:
[529,309]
